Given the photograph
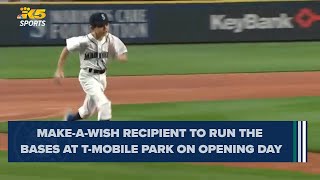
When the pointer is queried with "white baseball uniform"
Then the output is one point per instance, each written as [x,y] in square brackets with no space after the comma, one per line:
[93,55]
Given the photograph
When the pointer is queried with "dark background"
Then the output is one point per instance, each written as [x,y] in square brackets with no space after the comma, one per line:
[176,23]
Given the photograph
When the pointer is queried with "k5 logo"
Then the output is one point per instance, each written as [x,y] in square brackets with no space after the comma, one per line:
[27,12]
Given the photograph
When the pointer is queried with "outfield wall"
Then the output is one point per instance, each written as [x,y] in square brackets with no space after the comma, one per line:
[141,23]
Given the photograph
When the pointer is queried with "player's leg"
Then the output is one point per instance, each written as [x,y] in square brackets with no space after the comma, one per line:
[105,110]
[86,110]
[103,106]
[88,84]
[94,87]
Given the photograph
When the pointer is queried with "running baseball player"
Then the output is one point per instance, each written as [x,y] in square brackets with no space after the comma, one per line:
[94,49]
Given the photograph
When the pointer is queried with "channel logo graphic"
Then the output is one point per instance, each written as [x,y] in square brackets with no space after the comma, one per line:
[32,17]
[304,18]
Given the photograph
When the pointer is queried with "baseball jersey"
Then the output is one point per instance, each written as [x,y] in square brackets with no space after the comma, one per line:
[94,53]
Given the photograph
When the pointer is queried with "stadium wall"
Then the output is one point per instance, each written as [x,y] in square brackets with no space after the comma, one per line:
[167,22]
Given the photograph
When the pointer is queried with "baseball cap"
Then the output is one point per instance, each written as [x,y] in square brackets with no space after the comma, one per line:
[99,19]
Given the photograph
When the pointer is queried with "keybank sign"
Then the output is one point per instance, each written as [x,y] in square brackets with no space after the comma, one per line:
[250,22]
[304,18]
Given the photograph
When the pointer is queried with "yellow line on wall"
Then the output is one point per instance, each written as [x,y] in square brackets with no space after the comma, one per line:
[148,2]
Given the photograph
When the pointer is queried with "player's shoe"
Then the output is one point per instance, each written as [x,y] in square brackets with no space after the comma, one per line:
[68,117]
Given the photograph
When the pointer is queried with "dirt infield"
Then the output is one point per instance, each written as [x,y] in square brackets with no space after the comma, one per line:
[41,98]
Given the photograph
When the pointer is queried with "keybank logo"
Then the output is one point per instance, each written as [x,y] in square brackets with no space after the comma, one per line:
[250,22]
[304,18]
[32,17]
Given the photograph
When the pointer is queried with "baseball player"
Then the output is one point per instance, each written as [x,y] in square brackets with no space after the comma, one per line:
[94,49]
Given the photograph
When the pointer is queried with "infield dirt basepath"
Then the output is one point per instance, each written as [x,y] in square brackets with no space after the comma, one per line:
[41,98]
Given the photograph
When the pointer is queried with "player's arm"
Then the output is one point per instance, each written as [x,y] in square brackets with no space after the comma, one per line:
[62,59]
[122,57]
[73,44]
[118,50]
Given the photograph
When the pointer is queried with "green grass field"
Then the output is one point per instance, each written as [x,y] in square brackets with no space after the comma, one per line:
[40,62]
[303,108]
[136,171]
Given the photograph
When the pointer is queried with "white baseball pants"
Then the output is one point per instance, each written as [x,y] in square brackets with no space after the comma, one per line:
[94,86]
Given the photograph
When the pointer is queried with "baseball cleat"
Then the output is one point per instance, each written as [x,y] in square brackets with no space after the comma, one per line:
[68,117]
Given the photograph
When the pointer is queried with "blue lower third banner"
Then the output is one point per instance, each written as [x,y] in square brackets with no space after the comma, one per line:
[157,141]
